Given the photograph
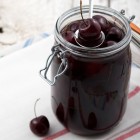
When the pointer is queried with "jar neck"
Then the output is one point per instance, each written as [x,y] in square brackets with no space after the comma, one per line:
[111,14]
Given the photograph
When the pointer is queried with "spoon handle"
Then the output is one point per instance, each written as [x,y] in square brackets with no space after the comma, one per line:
[90,8]
[109,3]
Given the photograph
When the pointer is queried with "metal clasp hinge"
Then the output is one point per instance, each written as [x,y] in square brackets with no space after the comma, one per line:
[64,64]
[130,19]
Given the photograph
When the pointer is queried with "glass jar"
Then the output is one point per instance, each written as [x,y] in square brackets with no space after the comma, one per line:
[89,86]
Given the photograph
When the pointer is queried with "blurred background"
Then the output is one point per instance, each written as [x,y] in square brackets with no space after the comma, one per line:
[23,19]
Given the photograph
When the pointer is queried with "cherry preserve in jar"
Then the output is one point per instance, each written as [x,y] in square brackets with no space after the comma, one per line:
[89,86]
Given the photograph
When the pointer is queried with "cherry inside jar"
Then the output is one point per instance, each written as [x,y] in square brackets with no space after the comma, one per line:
[89,94]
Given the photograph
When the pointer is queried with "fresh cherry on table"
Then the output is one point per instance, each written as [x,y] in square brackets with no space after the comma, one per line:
[39,125]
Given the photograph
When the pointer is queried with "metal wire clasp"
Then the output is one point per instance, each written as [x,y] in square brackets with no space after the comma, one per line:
[64,64]
[130,19]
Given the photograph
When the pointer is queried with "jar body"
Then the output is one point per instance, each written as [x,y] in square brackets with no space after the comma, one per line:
[90,96]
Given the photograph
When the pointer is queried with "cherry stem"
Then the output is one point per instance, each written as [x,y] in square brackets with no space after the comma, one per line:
[35,107]
[82,12]
[90,8]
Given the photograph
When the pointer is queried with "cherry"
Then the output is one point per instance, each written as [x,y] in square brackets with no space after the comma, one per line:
[115,34]
[90,33]
[104,23]
[110,43]
[92,121]
[39,125]
[60,112]
[71,104]
[69,36]
[89,29]
[73,26]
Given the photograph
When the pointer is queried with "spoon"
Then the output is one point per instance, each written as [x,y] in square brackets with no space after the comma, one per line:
[90,8]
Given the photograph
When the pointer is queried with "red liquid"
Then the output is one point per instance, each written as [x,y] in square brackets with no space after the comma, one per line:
[90,97]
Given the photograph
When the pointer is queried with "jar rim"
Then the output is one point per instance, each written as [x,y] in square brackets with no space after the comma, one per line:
[94,52]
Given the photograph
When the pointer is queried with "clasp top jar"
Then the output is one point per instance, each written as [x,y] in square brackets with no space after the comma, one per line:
[89,86]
